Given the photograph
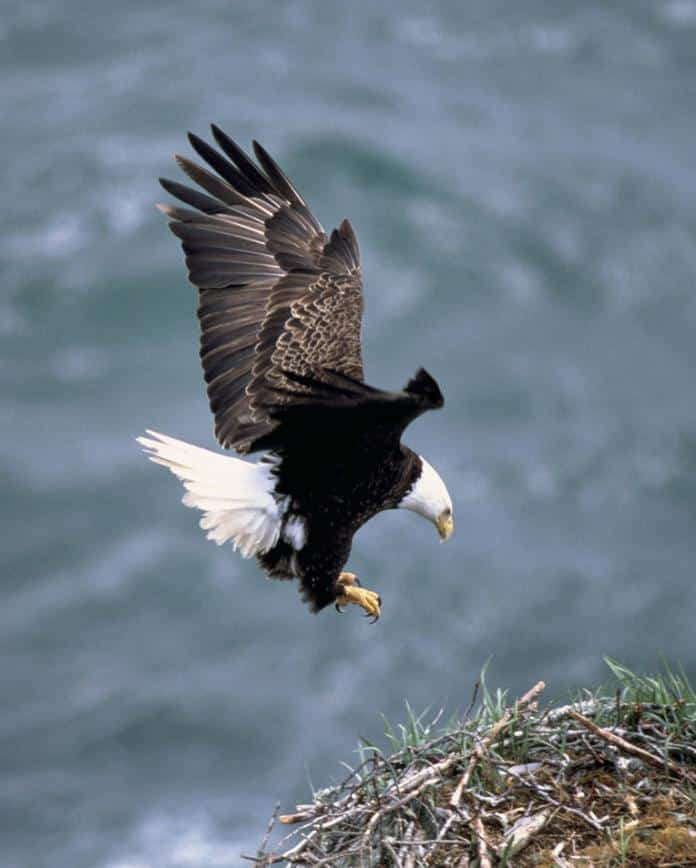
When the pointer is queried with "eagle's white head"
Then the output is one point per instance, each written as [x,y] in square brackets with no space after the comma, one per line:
[429,497]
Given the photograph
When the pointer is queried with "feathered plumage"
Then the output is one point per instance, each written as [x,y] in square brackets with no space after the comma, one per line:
[295,295]
[280,315]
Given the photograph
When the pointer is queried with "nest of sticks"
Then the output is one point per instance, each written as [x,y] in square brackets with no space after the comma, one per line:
[608,781]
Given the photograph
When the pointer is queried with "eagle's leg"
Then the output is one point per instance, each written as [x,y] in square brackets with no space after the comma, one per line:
[348,590]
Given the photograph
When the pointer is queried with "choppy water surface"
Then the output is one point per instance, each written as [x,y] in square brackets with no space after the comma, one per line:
[522,179]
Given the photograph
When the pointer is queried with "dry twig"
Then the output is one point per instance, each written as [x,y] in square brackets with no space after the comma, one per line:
[627,747]
[490,737]
[481,844]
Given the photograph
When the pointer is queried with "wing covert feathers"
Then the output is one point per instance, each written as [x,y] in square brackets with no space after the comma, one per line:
[338,411]
[276,294]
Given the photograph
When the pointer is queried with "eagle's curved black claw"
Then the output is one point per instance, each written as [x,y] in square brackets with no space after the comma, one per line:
[338,608]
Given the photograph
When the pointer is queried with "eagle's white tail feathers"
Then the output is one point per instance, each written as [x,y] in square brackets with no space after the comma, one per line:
[235,495]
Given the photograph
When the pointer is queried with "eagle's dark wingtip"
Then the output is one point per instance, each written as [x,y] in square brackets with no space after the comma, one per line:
[222,138]
[198,145]
[218,132]
[425,389]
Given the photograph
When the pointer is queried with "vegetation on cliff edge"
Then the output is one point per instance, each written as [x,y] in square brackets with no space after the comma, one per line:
[607,781]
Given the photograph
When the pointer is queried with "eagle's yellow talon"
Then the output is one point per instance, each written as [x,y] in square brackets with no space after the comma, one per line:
[351,592]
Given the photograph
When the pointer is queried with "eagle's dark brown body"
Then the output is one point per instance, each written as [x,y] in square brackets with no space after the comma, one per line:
[333,504]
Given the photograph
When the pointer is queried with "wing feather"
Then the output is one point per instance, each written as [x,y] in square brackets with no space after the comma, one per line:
[250,172]
[194,198]
[223,167]
[276,295]
[278,178]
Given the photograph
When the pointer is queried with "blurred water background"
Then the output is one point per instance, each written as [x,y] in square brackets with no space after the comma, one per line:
[522,178]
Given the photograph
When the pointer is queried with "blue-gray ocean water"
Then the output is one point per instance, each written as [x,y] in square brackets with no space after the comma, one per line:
[522,178]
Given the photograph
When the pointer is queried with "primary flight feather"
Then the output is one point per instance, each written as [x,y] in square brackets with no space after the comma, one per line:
[280,314]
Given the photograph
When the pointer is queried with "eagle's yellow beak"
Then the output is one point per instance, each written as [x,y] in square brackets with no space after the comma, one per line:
[445,525]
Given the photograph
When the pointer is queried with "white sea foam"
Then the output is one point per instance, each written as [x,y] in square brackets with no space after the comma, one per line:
[179,842]
[680,12]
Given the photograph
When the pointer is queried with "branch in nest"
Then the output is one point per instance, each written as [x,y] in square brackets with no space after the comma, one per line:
[490,737]
[627,747]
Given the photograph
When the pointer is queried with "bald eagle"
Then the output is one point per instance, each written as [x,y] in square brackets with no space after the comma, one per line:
[280,315]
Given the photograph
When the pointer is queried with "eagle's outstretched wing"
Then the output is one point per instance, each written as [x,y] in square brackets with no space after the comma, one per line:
[276,294]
